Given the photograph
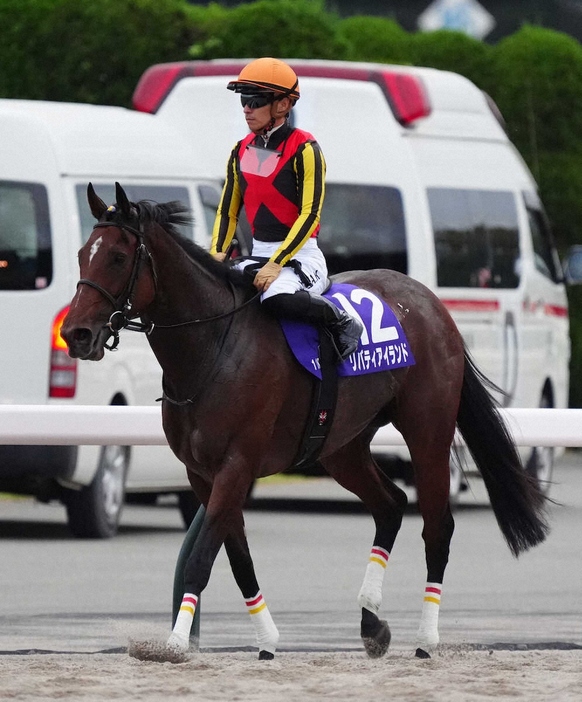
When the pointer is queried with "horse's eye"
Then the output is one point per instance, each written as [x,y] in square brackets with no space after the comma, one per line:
[119,258]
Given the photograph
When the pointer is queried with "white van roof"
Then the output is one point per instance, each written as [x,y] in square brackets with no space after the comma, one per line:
[95,140]
[456,108]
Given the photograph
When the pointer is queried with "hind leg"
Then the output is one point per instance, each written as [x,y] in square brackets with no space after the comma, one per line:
[429,445]
[354,469]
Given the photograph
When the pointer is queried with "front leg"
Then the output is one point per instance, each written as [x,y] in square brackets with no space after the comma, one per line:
[224,511]
[238,552]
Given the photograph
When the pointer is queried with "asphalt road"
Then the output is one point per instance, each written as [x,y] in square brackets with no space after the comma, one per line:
[310,543]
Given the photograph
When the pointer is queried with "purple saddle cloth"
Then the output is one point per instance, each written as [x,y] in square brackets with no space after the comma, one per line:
[383,345]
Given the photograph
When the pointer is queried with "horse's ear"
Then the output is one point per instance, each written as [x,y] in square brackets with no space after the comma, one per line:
[122,201]
[96,204]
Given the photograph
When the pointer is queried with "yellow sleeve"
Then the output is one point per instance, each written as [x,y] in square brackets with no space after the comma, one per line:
[228,208]
[310,170]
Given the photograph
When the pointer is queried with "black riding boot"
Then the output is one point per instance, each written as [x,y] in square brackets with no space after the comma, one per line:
[304,306]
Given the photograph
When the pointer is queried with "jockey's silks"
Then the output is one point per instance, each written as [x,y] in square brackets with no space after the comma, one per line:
[282,188]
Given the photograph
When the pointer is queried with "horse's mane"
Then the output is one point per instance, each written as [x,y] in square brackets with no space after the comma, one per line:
[170,215]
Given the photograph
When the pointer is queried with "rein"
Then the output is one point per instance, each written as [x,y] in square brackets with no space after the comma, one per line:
[122,318]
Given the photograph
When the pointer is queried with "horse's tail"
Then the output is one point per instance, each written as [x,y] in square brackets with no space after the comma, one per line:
[516,499]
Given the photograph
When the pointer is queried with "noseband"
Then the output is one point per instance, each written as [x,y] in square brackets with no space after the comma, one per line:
[122,317]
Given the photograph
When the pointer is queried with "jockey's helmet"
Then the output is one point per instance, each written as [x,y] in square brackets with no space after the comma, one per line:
[267,77]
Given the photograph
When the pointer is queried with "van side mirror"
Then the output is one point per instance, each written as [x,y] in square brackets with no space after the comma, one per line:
[572,266]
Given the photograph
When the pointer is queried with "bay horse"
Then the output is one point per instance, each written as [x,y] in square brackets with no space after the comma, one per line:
[236,403]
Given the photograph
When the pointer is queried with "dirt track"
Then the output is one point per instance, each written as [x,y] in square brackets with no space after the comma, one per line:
[455,675]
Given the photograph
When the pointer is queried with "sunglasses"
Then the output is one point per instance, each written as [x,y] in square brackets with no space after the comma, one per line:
[255,101]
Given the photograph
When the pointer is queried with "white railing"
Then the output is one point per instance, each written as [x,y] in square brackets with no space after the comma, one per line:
[88,424]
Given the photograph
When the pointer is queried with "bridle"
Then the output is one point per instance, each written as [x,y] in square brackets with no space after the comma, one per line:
[122,317]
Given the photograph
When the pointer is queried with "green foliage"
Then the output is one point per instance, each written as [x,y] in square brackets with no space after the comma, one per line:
[280,28]
[575,308]
[559,176]
[539,90]
[453,51]
[375,39]
[87,50]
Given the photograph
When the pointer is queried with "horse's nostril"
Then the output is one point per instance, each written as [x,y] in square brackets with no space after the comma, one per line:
[79,336]
[82,335]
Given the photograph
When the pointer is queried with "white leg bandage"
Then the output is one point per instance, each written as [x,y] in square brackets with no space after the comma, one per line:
[266,631]
[370,595]
[180,636]
[428,632]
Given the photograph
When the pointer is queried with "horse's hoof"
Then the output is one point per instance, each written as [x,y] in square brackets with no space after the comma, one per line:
[421,653]
[377,644]
[266,656]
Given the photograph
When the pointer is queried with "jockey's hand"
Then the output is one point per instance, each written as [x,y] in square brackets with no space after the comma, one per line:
[220,256]
[266,275]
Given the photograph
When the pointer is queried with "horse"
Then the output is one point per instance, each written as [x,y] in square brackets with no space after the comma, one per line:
[235,403]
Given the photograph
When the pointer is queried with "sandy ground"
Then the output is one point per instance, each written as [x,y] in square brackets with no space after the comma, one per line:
[453,675]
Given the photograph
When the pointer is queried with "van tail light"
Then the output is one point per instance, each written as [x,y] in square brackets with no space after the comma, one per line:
[63,370]
[155,84]
[407,96]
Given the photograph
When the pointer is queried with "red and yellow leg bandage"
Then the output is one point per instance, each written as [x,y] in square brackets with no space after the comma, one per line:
[370,595]
[180,636]
[428,634]
[266,631]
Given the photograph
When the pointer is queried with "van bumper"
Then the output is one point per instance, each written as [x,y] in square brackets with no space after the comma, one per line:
[33,470]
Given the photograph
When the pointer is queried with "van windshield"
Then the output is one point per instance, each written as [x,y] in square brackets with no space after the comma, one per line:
[155,193]
[25,237]
[362,227]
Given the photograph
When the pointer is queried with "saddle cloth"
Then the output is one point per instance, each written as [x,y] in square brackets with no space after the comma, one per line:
[383,345]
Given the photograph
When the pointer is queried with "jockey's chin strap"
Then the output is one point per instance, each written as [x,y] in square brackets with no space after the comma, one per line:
[122,316]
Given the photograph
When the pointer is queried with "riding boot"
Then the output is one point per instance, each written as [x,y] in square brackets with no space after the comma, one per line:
[344,330]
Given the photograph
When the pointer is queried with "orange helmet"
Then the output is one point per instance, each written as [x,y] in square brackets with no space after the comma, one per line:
[267,75]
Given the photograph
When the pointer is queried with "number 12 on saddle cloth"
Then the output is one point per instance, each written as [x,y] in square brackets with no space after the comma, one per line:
[383,345]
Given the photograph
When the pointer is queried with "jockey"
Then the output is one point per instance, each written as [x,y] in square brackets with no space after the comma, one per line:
[278,173]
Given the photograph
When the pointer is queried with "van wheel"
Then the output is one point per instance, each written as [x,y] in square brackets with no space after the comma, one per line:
[94,511]
[188,504]
[540,463]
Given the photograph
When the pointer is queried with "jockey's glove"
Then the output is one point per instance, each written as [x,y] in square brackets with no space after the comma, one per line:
[266,275]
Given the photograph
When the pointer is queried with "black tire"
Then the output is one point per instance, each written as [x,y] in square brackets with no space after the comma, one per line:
[94,512]
[540,463]
[188,504]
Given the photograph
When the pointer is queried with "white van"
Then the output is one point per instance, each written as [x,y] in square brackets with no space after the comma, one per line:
[50,151]
[421,178]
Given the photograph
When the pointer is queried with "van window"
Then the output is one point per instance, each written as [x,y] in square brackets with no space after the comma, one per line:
[545,255]
[25,237]
[156,193]
[476,238]
[362,227]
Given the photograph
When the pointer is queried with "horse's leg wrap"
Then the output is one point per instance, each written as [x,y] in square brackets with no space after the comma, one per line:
[180,636]
[427,638]
[266,631]
[375,632]
[370,595]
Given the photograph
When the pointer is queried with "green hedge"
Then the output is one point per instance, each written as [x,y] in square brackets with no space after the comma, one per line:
[87,50]
[96,50]
[282,28]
